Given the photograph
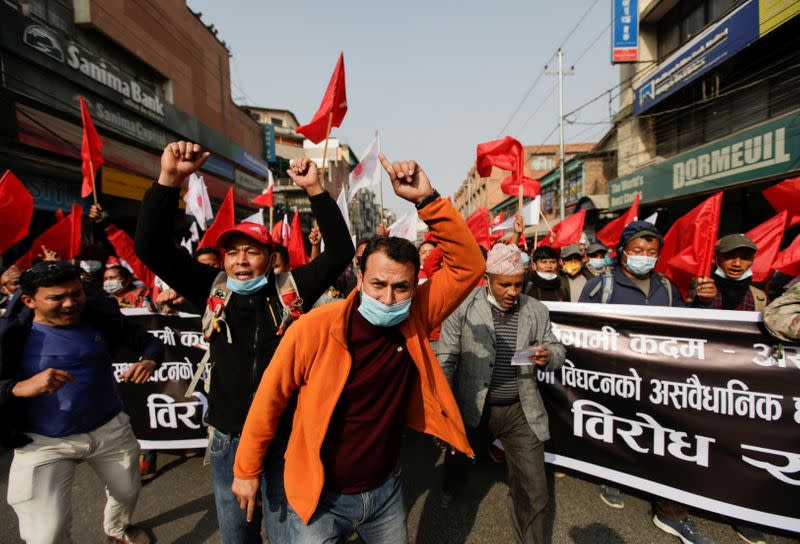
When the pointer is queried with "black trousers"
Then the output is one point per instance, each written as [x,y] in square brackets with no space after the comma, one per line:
[527,483]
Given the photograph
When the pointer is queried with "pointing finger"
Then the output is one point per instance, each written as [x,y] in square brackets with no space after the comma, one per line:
[387,166]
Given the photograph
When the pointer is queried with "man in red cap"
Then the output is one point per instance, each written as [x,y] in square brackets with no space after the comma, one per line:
[247,310]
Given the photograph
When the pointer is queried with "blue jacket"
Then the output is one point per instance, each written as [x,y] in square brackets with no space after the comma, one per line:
[102,313]
[626,292]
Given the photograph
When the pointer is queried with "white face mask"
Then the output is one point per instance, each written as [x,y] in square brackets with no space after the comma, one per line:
[747,274]
[112,287]
[549,276]
[493,301]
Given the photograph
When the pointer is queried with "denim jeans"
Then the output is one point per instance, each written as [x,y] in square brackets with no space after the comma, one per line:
[377,515]
[233,525]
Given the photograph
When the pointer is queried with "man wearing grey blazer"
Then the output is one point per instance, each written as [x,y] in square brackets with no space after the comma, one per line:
[497,398]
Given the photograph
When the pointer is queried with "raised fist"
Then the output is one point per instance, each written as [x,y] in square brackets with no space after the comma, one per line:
[178,161]
[305,174]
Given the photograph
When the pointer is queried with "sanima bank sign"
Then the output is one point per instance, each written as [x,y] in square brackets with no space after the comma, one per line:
[770,149]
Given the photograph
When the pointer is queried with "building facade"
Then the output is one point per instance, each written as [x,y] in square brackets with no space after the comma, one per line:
[149,72]
[710,106]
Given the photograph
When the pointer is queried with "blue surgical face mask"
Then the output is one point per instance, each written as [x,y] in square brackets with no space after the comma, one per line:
[640,265]
[246,287]
[747,274]
[597,263]
[382,315]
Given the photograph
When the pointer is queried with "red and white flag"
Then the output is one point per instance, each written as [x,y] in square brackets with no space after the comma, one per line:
[405,227]
[368,171]
[197,202]
[267,197]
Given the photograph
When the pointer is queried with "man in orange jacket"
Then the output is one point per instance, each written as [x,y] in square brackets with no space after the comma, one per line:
[363,370]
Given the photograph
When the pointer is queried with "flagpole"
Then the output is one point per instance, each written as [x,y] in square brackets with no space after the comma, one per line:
[94,188]
[271,217]
[380,183]
[325,148]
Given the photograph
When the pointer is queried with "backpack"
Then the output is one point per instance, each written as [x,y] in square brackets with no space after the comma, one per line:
[607,285]
[214,317]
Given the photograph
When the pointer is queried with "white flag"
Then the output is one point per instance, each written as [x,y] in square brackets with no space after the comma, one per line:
[257,217]
[530,211]
[368,171]
[187,244]
[341,201]
[197,202]
[405,227]
[285,230]
[195,235]
[652,219]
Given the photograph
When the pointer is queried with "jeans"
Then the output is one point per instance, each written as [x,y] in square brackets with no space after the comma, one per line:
[233,525]
[377,515]
[42,472]
[527,484]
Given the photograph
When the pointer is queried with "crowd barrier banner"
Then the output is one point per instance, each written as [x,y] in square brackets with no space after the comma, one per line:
[698,406]
[162,418]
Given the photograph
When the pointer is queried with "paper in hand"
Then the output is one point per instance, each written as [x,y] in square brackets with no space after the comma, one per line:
[523,357]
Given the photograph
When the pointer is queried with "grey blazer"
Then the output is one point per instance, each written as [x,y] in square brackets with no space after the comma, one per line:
[466,352]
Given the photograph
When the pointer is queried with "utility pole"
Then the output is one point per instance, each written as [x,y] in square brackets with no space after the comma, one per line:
[560,73]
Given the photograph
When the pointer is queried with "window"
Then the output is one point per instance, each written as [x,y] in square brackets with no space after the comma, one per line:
[276,122]
[574,185]
[686,20]
[542,163]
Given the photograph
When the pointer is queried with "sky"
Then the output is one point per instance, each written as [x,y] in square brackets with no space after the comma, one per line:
[434,77]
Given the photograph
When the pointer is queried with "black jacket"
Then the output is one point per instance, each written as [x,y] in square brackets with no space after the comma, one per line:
[102,313]
[237,367]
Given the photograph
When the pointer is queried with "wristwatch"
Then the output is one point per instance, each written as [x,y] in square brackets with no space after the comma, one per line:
[427,200]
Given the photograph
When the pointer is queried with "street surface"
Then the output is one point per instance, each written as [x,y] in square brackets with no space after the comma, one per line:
[178,507]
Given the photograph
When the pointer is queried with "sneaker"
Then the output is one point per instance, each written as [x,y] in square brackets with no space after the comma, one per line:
[611,496]
[496,452]
[684,529]
[749,534]
[147,468]
[132,535]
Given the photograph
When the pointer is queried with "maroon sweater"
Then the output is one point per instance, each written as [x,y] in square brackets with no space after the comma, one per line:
[363,440]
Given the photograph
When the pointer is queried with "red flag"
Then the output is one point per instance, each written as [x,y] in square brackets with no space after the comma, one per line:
[123,246]
[566,232]
[786,196]
[224,220]
[788,260]
[689,245]
[296,247]
[59,214]
[530,187]
[90,151]
[64,237]
[609,235]
[16,210]
[497,219]
[767,237]
[478,224]
[277,233]
[334,102]
[507,154]
[265,199]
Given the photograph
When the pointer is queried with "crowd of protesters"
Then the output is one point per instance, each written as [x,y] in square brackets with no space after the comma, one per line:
[306,415]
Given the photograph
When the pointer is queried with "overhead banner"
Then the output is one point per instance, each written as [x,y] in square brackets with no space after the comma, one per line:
[697,406]
[625,31]
[161,416]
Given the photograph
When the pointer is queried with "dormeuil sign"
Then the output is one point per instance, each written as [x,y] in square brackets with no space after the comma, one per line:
[708,49]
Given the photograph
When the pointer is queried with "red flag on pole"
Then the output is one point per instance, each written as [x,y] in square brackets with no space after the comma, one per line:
[767,237]
[296,247]
[224,220]
[506,154]
[277,233]
[123,247]
[16,210]
[478,224]
[90,151]
[265,199]
[785,196]
[609,235]
[333,106]
[64,237]
[566,232]
[689,245]
[788,260]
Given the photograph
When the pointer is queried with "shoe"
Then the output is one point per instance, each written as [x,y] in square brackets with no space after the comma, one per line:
[147,469]
[496,452]
[559,474]
[192,453]
[446,500]
[132,535]
[611,496]
[749,534]
[684,529]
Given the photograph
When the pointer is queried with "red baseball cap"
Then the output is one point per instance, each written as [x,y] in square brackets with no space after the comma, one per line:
[255,231]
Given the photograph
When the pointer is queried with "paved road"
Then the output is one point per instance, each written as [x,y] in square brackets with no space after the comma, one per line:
[177,507]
